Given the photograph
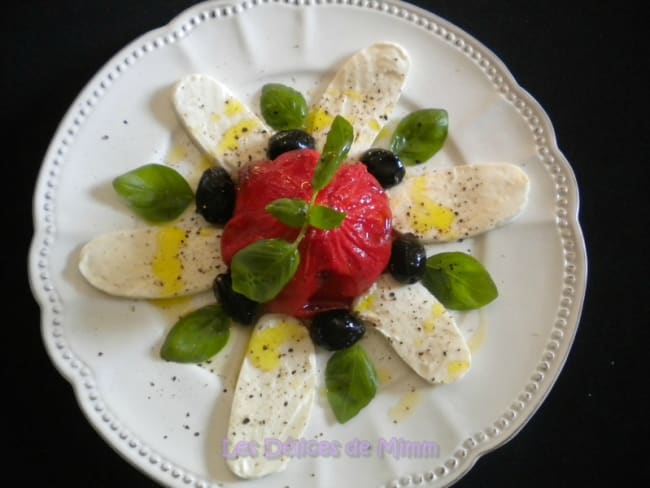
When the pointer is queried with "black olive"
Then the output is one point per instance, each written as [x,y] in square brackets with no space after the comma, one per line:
[384,165]
[237,306]
[288,140]
[408,259]
[336,329]
[216,195]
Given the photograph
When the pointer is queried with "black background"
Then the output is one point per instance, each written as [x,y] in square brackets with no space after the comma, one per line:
[585,64]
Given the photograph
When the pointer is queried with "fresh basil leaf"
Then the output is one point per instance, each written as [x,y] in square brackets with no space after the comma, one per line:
[325,218]
[197,336]
[283,108]
[459,281]
[351,382]
[289,211]
[155,192]
[420,135]
[337,145]
[261,270]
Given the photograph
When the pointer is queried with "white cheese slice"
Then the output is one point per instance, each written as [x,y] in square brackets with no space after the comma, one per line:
[449,204]
[418,327]
[273,398]
[364,90]
[153,262]
[220,124]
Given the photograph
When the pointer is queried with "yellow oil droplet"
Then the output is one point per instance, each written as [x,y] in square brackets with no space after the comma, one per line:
[166,264]
[365,304]
[176,154]
[175,307]
[230,140]
[176,303]
[318,120]
[478,339]
[207,231]
[405,407]
[426,214]
[456,368]
[385,133]
[374,125]
[430,325]
[264,346]
[384,376]
[204,164]
[437,311]
[353,95]
[233,107]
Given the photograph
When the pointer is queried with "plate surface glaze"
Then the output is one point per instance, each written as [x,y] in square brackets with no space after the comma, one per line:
[169,419]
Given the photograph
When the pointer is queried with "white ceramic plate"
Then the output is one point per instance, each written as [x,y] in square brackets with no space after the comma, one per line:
[168,419]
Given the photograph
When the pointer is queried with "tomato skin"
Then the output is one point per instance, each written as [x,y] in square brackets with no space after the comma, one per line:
[336,265]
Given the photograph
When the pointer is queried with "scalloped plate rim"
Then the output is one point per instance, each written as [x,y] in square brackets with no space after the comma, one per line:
[46,295]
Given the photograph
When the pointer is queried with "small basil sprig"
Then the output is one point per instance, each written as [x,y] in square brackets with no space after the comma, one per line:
[295,212]
[420,135]
[283,108]
[459,281]
[325,218]
[336,148]
[290,211]
[197,336]
[155,192]
[351,381]
[261,270]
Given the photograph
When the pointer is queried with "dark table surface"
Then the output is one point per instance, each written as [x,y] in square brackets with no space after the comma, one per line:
[585,64]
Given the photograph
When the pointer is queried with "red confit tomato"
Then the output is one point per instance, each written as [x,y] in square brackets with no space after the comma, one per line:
[336,265]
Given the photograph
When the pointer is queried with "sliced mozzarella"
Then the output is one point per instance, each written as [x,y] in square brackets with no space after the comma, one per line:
[418,327]
[220,124]
[463,201]
[273,398]
[364,90]
[153,262]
